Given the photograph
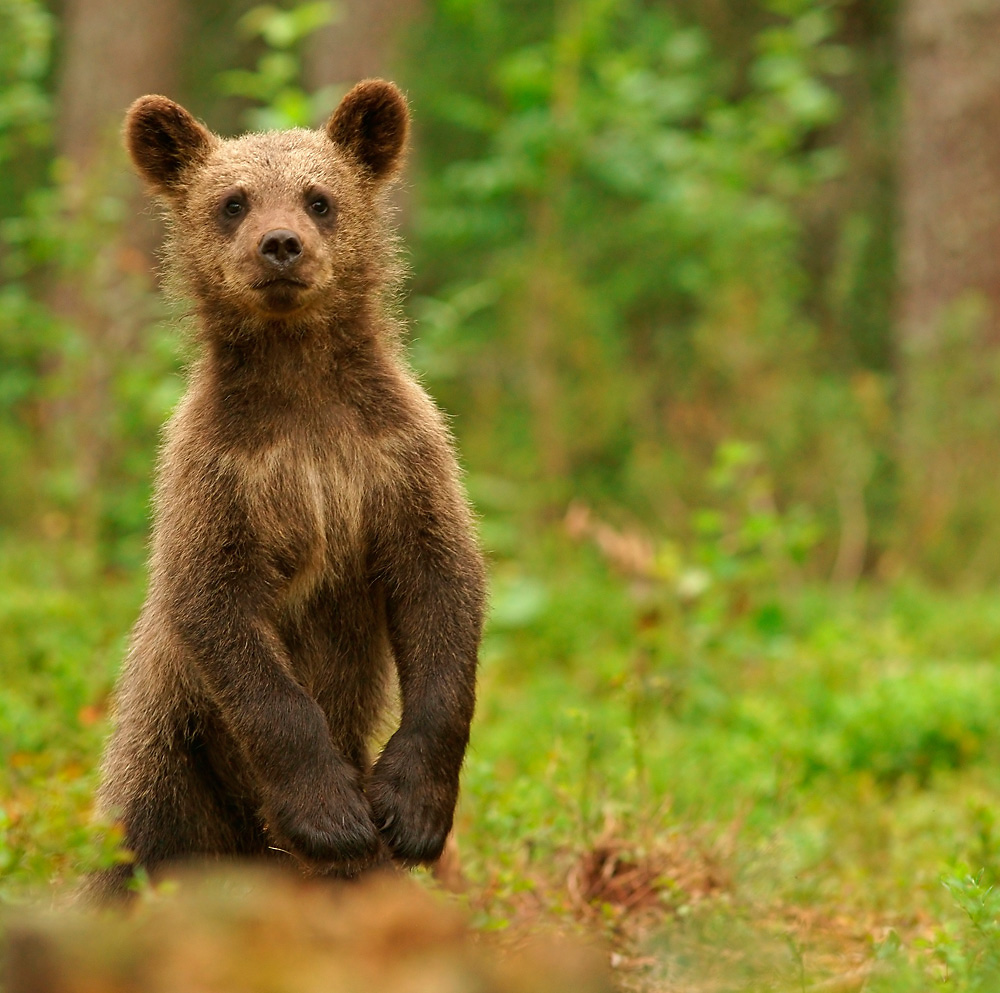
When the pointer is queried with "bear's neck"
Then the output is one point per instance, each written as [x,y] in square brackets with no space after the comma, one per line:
[294,361]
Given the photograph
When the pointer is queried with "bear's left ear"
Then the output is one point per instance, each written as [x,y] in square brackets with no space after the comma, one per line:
[371,124]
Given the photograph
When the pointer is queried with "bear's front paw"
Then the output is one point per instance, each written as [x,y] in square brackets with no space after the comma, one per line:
[412,807]
[327,826]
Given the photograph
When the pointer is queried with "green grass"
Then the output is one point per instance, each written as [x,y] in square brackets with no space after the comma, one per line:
[776,796]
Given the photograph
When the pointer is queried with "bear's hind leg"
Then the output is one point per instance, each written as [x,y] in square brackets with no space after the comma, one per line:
[174,807]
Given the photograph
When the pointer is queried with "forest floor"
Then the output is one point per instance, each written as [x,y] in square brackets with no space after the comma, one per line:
[730,784]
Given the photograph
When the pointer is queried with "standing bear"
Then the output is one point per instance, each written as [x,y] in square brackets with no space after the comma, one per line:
[310,532]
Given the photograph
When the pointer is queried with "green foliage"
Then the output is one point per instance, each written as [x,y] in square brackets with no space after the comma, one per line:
[25,108]
[86,392]
[89,370]
[61,643]
[970,948]
[274,83]
[614,262]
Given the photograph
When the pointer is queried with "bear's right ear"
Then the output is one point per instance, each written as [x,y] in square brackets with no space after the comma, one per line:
[163,140]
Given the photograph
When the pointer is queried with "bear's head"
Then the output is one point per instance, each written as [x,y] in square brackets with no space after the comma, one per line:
[278,226]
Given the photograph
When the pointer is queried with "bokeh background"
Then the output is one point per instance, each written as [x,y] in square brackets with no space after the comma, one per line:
[711,292]
[652,243]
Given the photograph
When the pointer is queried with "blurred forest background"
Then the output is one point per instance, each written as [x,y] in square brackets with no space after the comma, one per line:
[667,258]
[711,291]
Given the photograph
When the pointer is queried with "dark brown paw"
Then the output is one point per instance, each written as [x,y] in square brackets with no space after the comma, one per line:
[327,826]
[412,810]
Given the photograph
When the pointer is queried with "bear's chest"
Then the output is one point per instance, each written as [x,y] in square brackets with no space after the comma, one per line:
[313,510]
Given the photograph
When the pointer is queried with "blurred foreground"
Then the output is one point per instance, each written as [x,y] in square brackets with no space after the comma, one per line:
[254,932]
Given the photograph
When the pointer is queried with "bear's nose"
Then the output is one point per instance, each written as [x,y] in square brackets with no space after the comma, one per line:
[280,247]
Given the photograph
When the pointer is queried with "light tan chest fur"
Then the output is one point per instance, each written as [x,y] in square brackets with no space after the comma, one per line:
[312,506]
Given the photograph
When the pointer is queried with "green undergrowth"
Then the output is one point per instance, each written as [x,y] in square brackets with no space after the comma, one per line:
[836,754]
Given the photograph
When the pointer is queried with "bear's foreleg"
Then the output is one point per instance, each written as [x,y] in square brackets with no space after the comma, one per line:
[434,581]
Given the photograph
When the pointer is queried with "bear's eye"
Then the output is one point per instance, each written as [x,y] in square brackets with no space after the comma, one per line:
[319,205]
[233,207]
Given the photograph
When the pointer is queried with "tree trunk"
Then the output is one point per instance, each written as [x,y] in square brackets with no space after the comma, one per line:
[949,308]
[115,51]
[361,42]
[950,168]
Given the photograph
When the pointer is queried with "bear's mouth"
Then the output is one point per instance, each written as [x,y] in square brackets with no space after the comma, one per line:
[280,282]
[281,295]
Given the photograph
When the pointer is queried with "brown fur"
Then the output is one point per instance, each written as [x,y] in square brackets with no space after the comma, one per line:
[310,526]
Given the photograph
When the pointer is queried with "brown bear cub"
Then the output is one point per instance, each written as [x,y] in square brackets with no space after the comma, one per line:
[311,532]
